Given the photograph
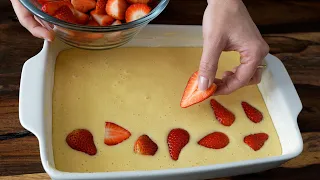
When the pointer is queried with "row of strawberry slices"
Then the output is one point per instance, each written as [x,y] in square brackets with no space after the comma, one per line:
[192,95]
[97,12]
[82,140]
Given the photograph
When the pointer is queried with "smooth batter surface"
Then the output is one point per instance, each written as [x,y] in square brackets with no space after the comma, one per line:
[140,89]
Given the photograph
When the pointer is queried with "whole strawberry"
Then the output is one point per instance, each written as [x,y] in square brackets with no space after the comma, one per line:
[177,140]
[82,140]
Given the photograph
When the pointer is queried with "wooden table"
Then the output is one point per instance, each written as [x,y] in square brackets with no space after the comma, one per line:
[291,28]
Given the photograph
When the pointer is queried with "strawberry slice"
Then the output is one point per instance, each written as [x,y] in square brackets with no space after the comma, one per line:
[116,8]
[102,20]
[137,11]
[82,140]
[115,134]
[223,115]
[81,17]
[83,5]
[65,14]
[215,140]
[191,93]
[138,1]
[252,113]
[145,146]
[101,6]
[92,22]
[256,141]
[116,22]
[177,139]
[51,7]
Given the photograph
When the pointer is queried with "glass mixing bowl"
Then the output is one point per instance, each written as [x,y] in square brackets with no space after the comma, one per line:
[93,37]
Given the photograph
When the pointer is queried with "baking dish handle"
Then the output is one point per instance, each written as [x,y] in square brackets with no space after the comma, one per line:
[31,109]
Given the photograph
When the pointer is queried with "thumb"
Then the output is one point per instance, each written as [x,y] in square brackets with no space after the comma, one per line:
[211,52]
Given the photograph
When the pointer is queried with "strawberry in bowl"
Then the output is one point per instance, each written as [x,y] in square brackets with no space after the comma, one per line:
[95,24]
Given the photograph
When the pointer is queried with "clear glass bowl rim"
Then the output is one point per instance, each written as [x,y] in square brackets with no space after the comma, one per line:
[153,14]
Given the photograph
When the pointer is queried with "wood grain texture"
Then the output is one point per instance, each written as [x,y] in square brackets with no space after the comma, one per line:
[299,51]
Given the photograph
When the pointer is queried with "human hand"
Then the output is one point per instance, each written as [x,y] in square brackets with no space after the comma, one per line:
[30,22]
[228,26]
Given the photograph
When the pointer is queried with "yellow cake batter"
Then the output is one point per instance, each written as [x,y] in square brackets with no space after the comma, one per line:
[140,89]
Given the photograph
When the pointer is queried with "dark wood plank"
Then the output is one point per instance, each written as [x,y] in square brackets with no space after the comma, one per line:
[271,16]
[19,156]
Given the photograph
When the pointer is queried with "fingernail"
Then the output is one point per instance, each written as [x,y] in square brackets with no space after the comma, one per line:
[203,83]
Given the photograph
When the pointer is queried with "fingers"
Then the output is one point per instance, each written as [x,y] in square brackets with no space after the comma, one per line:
[247,73]
[209,62]
[27,20]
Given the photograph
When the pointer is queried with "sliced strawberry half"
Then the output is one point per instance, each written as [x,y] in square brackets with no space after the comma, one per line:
[81,17]
[192,95]
[223,115]
[115,134]
[256,141]
[64,13]
[177,139]
[92,22]
[102,20]
[83,5]
[116,8]
[116,22]
[101,6]
[82,140]
[145,146]
[138,1]
[51,7]
[252,113]
[137,11]
[215,140]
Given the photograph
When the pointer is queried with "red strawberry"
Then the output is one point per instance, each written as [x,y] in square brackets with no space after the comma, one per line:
[256,141]
[116,22]
[65,14]
[115,134]
[137,11]
[82,140]
[191,93]
[102,20]
[51,7]
[145,146]
[138,1]
[215,140]
[92,22]
[83,5]
[223,115]
[252,113]
[81,17]
[116,8]
[177,139]
[101,6]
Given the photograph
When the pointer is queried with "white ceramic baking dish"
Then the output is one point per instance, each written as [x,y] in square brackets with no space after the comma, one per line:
[280,96]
